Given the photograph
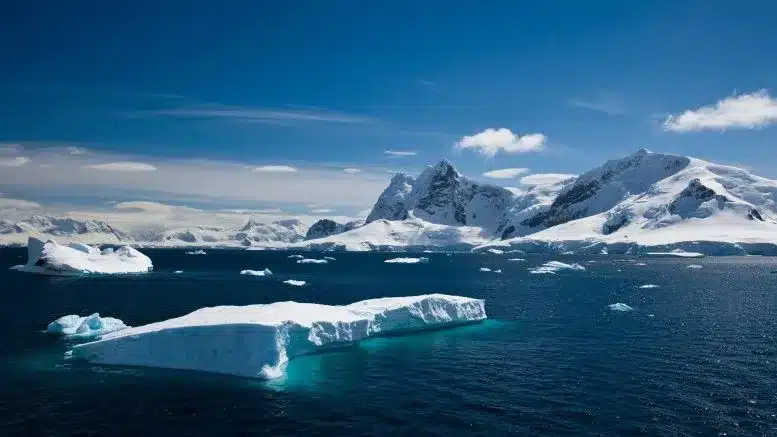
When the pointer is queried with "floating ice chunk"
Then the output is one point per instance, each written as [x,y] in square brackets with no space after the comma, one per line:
[265,272]
[498,271]
[294,282]
[329,258]
[422,259]
[485,269]
[694,266]
[75,326]
[311,261]
[196,252]
[551,267]
[603,251]
[257,340]
[678,253]
[620,307]
[646,286]
[50,258]
[496,251]
[178,271]
[516,259]
[651,315]
[296,257]
[640,264]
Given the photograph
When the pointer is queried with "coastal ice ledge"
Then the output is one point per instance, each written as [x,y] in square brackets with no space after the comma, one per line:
[257,341]
[52,258]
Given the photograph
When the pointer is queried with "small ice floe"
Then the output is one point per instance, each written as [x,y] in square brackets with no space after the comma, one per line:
[551,267]
[640,264]
[651,315]
[485,269]
[496,251]
[677,253]
[516,260]
[177,272]
[646,286]
[420,260]
[603,251]
[265,272]
[311,261]
[196,252]
[75,326]
[296,257]
[620,307]
[329,258]
[294,282]
[694,266]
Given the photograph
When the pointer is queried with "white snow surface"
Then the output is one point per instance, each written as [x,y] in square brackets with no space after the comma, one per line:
[311,261]
[265,272]
[75,326]
[620,307]
[294,282]
[51,258]
[420,260]
[552,267]
[258,340]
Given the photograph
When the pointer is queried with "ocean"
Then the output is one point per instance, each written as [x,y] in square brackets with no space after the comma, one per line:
[697,356]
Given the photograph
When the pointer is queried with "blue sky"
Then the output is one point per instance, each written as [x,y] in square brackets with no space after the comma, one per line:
[326,86]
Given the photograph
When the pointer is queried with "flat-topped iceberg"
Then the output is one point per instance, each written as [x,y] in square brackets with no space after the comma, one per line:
[265,272]
[257,340]
[420,260]
[75,326]
[551,267]
[51,258]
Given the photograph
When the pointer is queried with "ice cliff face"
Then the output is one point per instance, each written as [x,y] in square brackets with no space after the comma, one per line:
[441,195]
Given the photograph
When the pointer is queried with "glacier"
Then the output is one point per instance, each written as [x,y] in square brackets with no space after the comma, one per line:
[79,327]
[51,258]
[256,341]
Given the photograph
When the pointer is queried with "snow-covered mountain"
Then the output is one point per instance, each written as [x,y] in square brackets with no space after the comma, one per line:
[659,200]
[83,231]
[441,195]
[325,227]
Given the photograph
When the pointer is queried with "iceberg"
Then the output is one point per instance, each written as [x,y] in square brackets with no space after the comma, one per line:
[177,272]
[311,261]
[196,252]
[75,326]
[51,258]
[647,286]
[329,258]
[296,257]
[620,307]
[551,267]
[516,259]
[265,272]
[422,259]
[294,282]
[694,266]
[484,269]
[257,341]
[495,251]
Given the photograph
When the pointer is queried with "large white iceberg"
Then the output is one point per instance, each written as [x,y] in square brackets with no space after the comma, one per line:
[51,258]
[420,260]
[551,267]
[75,326]
[258,340]
[265,272]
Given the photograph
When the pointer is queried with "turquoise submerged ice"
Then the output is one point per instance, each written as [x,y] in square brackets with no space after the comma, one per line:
[75,326]
[258,340]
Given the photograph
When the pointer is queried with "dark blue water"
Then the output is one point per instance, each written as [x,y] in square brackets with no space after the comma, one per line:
[697,356]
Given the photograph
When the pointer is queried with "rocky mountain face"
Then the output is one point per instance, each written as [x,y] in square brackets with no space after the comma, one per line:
[441,195]
[325,227]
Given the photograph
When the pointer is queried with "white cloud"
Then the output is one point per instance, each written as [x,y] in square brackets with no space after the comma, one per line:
[505,173]
[399,153]
[322,211]
[259,114]
[275,169]
[743,111]
[606,106]
[545,178]
[491,141]
[351,170]
[73,150]
[17,161]
[123,166]
[515,190]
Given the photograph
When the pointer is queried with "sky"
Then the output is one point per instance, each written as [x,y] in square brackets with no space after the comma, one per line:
[308,107]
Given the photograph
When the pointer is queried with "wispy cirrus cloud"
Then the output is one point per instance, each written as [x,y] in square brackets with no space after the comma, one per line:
[742,111]
[505,173]
[351,170]
[122,166]
[492,141]
[400,153]
[604,105]
[260,115]
[275,169]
